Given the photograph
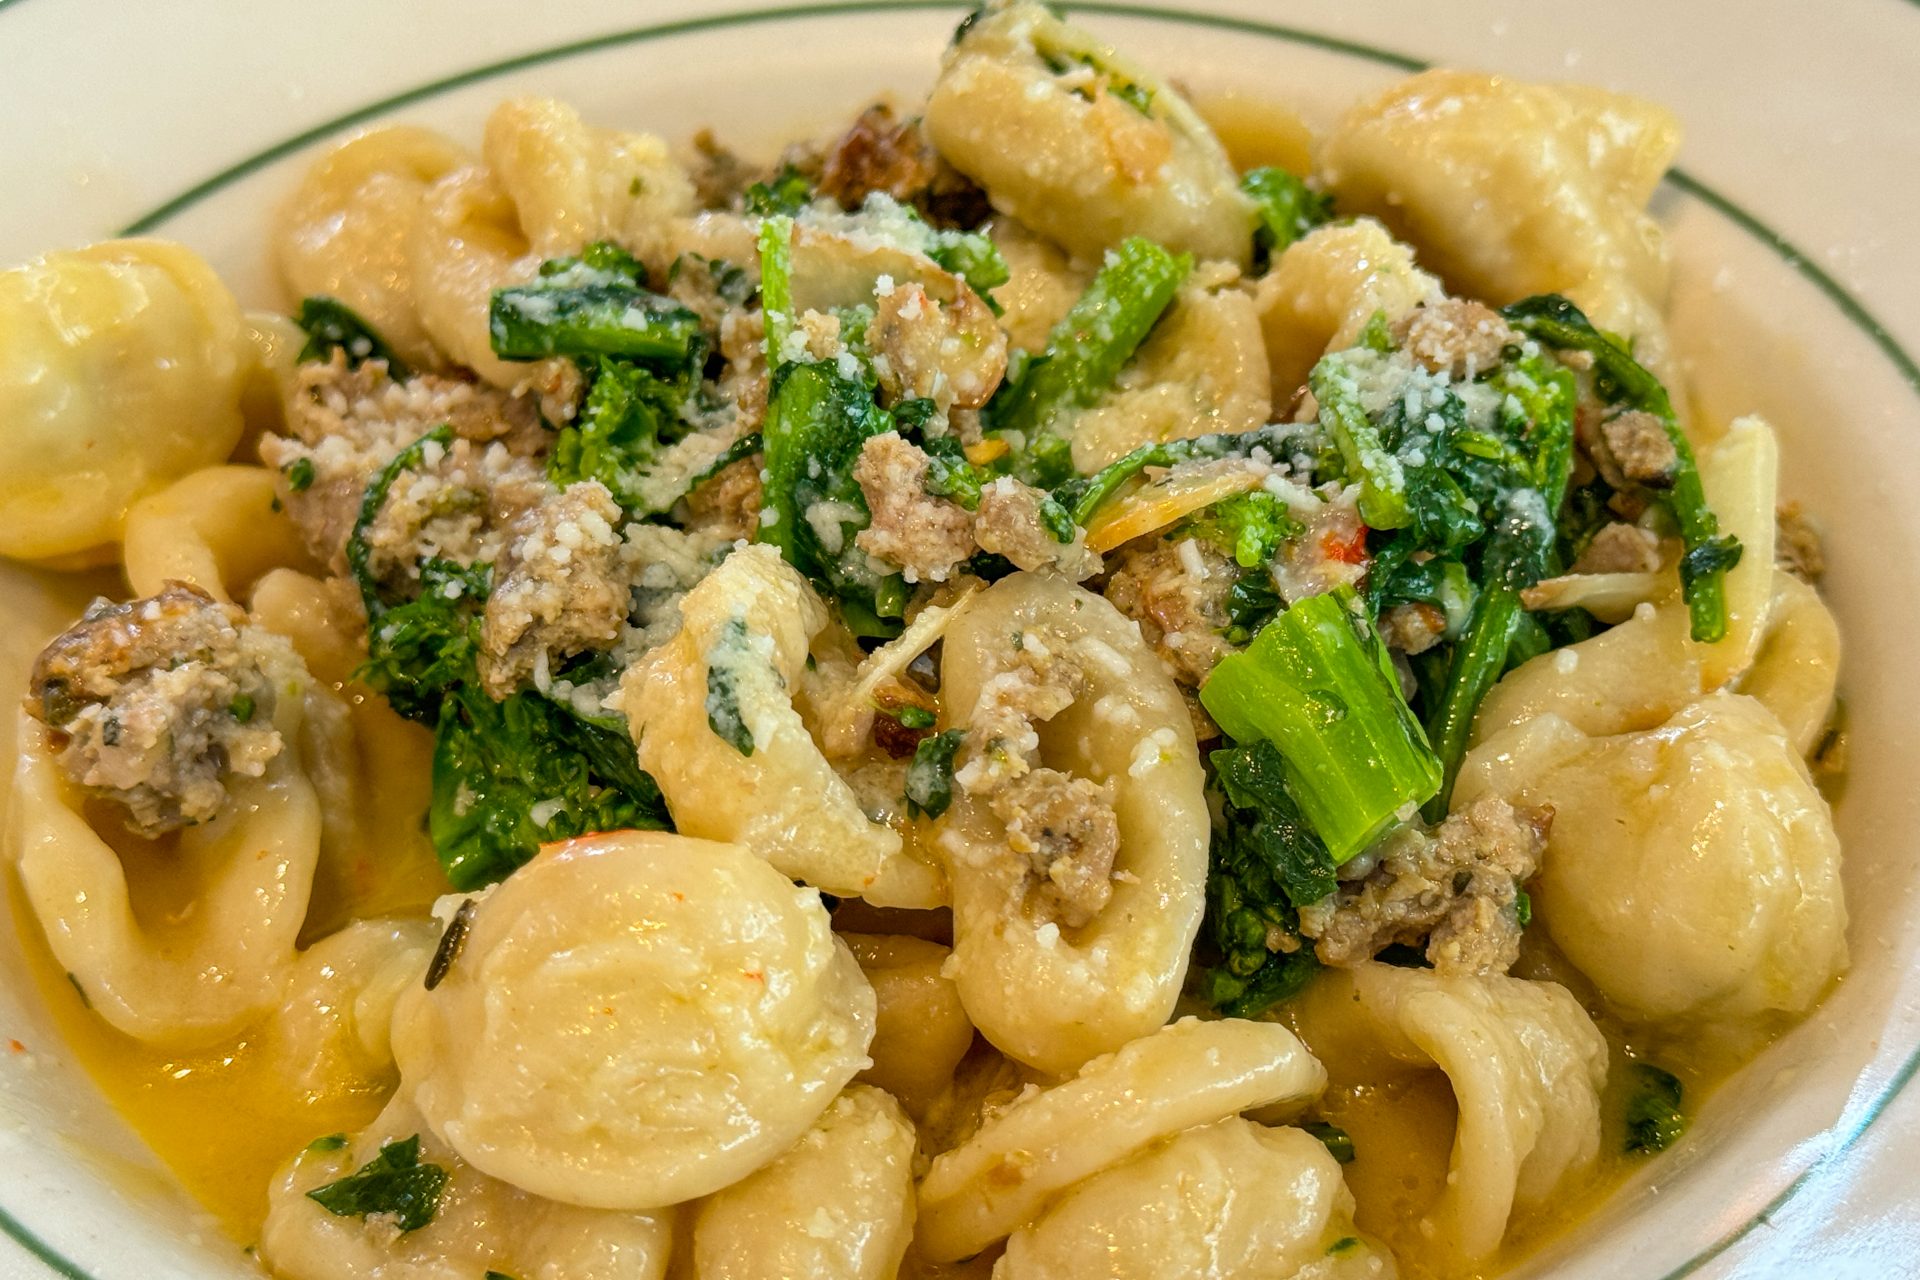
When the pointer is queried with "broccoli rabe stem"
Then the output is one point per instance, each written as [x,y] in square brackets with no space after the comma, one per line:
[1557,323]
[1317,684]
[1519,550]
[1383,483]
[776,284]
[599,318]
[1085,352]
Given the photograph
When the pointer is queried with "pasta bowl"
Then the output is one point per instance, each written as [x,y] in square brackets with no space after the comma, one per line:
[1790,300]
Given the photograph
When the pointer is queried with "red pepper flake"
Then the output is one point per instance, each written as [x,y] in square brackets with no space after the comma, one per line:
[1345,547]
[16,1046]
[753,975]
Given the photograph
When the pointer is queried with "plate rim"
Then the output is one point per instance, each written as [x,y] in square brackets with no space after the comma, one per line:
[1856,313]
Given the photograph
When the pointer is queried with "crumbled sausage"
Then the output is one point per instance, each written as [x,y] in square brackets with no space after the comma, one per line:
[1177,592]
[881,153]
[1619,548]
[1456,336]
[1414,627]
[1454,887]
[1010,523]
[560,588]
[156,703]
[346,424]
[717,173]
[727,505]
[1066,828]
[927,537]
[1797,547]
[1633,449]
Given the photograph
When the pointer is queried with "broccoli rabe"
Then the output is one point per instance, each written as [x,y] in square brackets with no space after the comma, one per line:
[1265,859]
[592,305]
[787,192]
[1249,528]
[817,422]
[511,776]
[332,325]
[630,414]
[1622,380]
[507,776]
[1085,351]
[1317,684]
[1288,209]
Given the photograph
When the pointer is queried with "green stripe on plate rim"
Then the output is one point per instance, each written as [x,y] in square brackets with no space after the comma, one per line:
[1809,270]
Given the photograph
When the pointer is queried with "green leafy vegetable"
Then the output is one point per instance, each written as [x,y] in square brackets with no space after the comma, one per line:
[332,325]
[974,257]
[1288,209]
[723,685]
[420,650]
[300,474]
[328,1142]
[1519,550]
[1622,380]
[359,551]
[788,192]
[1338,1141]
[776,285]
[1264,862]
[1317,684]
[1655,1120]
[392,1183]
[629,416]
[511,776]
[816,425]
[915,717]
[1085,496]
[1249,527]
[930,776]
[1383,484]
[593,305]
[1085,351]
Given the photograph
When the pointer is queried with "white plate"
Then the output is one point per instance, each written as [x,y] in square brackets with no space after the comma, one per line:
[1795,298]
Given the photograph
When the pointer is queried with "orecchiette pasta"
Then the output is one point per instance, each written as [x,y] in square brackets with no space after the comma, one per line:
[572,183]
[370,768]
[1127,731]
[1231,1201]
[838,1206]
[1692,870]
[1190,1073]
[465,243]
[173,977]
[1203,370]
[1324,288]
[1794,672]
[121,372]
[332,1033]
[1109,150]
[634,1020]
[218,529]
[343,232]
[1042,283]
[1525,1063]
[920,1030]
[479,1225]
[751,620]
[1639,673]
[1510,189]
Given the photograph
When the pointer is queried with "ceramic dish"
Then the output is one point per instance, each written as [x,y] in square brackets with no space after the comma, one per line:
[1794,184]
